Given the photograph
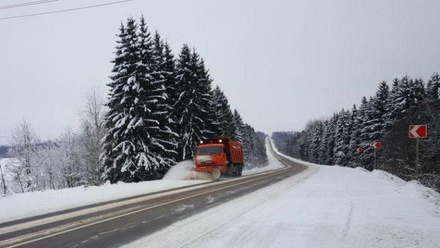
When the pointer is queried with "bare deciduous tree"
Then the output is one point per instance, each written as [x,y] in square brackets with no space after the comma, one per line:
[92,132]
[23,143]
[5,188]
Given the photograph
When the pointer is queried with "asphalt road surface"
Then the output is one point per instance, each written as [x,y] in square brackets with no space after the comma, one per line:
[120,222]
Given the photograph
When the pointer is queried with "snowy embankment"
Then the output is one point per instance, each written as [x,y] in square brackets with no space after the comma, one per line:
[30,204]
[24,205]
[333,207]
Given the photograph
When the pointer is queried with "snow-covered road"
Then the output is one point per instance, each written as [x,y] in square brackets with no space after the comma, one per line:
[322,207]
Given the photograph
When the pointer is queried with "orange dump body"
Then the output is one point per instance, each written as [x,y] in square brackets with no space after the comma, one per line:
[218,153]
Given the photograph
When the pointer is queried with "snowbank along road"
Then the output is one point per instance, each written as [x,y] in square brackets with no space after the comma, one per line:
[118,223]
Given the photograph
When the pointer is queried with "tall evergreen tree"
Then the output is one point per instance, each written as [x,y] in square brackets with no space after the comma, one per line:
[205,99]
[121,144]
[158,135]
[323,146]
[354,137]
[238,127]
[405,93]
[317,131]
[223,113]
[253,149]
[193,107]
[331,138]
[374,125]
[432,88]
[392,110]
[359,135]
[342,138]
[169,80]
[137,145]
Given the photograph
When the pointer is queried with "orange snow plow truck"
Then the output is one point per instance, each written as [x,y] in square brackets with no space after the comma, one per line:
[219,156]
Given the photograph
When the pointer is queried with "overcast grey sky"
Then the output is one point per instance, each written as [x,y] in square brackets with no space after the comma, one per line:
[280,62]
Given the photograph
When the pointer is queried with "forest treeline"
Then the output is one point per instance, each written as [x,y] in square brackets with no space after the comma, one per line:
[384,117]
[159,107]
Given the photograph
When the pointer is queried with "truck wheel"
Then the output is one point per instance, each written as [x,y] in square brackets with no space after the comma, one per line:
[237,170]
[228,171]
[240,170]
[216,174]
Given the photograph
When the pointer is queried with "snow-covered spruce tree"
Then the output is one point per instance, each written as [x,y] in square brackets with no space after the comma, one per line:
[308,140]
[205,98]
[432,88]
[253,149]
[135,147]
[123,142]
[323,146]
[392,111]
[342,138]
[330,139]
[317,131]
[373,118]
[191,111]
[376,125]
[355,141]
[163,136]
[168,70]
[238,133]
[404,93]
[259,140]
[158,147]
[223,113]
[247,146]
[367,158]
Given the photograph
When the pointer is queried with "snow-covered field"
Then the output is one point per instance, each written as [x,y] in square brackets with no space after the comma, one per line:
[322,207]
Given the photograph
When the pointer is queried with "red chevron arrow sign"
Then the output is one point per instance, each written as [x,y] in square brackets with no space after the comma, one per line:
[418,131]
[376,145]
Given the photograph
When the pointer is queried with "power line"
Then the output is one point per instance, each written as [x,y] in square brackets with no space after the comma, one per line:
[26,4]
[64,10]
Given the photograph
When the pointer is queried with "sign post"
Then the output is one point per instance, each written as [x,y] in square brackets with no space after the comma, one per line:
[376,146]
[418,132]
[417,157]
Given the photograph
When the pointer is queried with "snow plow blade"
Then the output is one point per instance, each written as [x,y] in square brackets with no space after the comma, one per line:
[194,175]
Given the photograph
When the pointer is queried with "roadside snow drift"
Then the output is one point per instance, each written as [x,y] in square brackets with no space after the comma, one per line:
[24,205]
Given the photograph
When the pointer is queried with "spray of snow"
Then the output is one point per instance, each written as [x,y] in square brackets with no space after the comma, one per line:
[183,171]
[179,171]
